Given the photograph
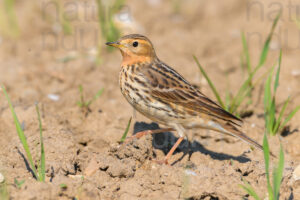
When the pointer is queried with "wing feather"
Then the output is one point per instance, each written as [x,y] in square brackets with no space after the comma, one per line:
[169,86]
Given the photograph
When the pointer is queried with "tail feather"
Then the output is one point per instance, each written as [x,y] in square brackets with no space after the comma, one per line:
[233,131]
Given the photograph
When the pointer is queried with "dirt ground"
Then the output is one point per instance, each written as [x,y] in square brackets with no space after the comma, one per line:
[43,65]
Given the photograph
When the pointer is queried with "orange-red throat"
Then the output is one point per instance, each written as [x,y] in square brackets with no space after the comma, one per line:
[135,48]
[130,58]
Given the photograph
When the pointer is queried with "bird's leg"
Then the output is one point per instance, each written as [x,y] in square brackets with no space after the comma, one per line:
[142,133]
[165,160]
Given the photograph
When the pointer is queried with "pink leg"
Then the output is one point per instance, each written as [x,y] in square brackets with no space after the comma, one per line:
[165,160]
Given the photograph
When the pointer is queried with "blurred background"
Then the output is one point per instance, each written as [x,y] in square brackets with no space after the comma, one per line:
[43,42]
[53,52]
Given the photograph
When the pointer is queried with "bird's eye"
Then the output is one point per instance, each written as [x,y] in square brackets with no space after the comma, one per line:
[135,44]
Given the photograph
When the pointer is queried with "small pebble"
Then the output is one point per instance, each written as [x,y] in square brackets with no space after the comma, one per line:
[124,17]
[93,51]
[154,2]
[78,176]
[1,178]
[53,97]
[295,72]
[274,45]
[190,172]
[296,173]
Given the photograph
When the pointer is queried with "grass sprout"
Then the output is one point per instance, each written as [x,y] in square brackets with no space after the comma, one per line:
[39,173]
[297,22]
[42,165]
[176,6]
[106,23]
[126,131]
[82,103]
[19,183]
[4,194]
[64,21]
[109,31]
[274,125]
[231,104]
[8,19]
[274,187]
[63,186]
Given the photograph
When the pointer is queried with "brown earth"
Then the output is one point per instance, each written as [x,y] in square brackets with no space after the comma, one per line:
[31,68]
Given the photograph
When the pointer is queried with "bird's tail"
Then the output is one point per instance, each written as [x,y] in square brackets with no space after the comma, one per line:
[233,131]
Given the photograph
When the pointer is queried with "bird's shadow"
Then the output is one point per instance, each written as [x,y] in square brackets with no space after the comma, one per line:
[26,163]
[164,141]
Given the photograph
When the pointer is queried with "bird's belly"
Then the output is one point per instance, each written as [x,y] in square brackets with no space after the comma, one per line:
[139,99]
[153,110]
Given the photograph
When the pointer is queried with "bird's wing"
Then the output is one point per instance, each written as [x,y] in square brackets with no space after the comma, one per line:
[167,85]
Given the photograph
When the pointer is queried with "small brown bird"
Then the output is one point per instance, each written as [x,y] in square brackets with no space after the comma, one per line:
[164,96]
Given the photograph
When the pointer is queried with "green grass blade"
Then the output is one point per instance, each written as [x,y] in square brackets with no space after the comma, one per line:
[227,100]
[4,193]
[246,53]
[241,99]
[277,175]
[19,183]
[117,5]
[101,15]
[267,160]
[64,21]
[210,83]
[297,22]
[272,118]
[21,134]
[126,131]
[9,8]
[248,90]
[42,166]
[106,22]
[267,102]
[289,117]
[266,155]
[241,92]
[81,103]
[268,95]
[265,50]
[276,127]
[272,124]
[98,94]
[276,83]
[262,60]
[250,190]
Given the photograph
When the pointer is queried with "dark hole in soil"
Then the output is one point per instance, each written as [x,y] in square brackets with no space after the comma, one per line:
[286,131]
[83,143]
[77,167]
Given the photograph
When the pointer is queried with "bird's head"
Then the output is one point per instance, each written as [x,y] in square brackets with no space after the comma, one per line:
[134,48]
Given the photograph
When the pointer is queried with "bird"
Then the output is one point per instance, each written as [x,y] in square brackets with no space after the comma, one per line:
[161,94]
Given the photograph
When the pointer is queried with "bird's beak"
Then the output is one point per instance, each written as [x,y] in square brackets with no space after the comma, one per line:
[114,44]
